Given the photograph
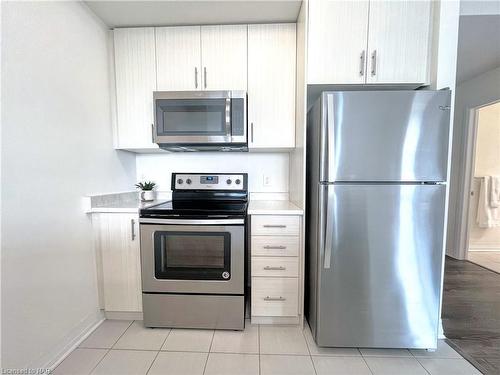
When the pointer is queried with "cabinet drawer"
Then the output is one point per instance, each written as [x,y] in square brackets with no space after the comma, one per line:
[275,266]
[274,296]
[274,224]
[275,246]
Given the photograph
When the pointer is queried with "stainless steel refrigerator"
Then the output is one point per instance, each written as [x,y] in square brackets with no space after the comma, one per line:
[376,187]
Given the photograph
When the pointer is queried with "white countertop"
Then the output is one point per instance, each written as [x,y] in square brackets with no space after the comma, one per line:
[127,206]
[129,203]
[273,207]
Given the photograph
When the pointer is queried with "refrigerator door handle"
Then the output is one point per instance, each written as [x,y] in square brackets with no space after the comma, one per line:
[328,235]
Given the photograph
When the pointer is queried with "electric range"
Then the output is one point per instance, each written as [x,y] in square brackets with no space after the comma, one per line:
[193,253]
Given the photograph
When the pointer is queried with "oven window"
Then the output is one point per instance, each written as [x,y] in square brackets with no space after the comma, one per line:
[192,255]
[192,117]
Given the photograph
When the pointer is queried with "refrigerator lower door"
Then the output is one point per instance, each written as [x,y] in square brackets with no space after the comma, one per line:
[379,271]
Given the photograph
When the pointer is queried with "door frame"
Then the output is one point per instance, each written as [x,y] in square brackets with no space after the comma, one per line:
[468,177]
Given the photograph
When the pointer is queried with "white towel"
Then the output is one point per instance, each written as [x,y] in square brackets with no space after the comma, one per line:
[487,216]
[494,191]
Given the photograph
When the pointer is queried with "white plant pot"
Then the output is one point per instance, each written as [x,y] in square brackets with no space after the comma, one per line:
[147,195]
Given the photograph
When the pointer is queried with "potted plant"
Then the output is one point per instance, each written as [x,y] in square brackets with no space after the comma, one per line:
[147,193]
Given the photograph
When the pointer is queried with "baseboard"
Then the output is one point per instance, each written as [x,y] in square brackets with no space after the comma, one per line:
[484,248]
[71,341]
[123,315]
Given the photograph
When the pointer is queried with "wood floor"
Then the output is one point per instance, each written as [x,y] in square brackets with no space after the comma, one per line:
[471,313]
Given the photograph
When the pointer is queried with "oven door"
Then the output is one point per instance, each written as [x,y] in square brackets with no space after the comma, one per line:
[199,118]
[192,256]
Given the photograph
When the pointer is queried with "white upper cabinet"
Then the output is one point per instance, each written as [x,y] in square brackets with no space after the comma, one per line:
[224,57]
[337,41]
[398,41]
[178,58]
[271,85]
[374,42]
[135,74]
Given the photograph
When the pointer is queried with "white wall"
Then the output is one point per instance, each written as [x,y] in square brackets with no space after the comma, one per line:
[56,147]
[475,92]
[487,158]
[159,167]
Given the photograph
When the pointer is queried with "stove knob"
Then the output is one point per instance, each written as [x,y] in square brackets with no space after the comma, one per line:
[188,181]
[228,181]
[238,181]
[180,181]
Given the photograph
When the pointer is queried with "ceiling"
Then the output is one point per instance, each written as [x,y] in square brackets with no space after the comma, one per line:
[188,12]
[478,45]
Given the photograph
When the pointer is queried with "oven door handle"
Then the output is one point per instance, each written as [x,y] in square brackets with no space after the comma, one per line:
[191,221]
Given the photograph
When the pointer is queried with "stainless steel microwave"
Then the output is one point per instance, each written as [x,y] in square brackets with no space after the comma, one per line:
[200,120]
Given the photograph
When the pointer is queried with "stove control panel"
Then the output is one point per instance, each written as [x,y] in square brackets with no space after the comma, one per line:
[223,181]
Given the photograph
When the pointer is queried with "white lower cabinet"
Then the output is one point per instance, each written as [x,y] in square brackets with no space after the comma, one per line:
[275,296]
[276,269]
[118,261]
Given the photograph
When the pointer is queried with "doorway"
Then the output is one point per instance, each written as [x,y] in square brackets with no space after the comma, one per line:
[483,231]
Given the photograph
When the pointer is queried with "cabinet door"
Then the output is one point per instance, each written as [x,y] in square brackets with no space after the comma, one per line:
[178,58]
[121,264]
[271,85]
[398,41]
[224,57]
[337,41]
[135,74]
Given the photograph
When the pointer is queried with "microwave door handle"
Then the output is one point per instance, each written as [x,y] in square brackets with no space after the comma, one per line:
[228,119]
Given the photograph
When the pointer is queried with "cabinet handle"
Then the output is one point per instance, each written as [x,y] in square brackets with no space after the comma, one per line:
[362,64]
[132,225]
[205,75]
[267,298]
[274,226]
[251,132]
[269,268]
[267,247]
[195,77]
[374,62]
[153,133]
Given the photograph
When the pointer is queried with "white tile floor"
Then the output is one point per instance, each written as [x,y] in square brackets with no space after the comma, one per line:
[487,259]
[125,347]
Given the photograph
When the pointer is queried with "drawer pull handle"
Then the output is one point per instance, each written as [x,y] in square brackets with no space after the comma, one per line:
[274,226]
[269,268]
[274,298]
[267,247]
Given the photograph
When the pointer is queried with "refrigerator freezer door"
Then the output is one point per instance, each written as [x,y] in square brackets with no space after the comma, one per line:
[384,135]
[380,284]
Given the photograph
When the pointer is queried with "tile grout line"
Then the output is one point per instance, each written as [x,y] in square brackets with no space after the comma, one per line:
[152,362]
[258,329]
[118,339]
[166,337]
[109,349]
[422,365]
[208,354]
[159,351]
[97,364]
[308,348]
[364,360]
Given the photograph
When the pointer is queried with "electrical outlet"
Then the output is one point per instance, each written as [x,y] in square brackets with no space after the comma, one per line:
[266,180]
